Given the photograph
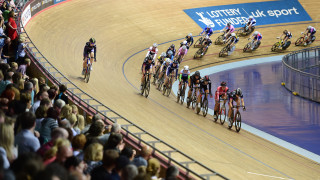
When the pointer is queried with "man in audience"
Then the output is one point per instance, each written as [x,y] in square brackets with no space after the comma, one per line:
[145,154]
[105,171]
[25,139]
[40,96]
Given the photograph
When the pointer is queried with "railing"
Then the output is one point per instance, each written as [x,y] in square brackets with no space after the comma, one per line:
[301,73]
[133,134]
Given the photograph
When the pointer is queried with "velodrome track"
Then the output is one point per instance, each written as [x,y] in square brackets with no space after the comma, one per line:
[123,28]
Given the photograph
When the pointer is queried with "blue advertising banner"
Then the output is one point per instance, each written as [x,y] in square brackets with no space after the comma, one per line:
[58,1]
[270,12]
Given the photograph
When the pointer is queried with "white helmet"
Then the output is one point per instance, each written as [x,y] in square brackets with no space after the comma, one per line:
[233,34]
[155,45]
[168,60]
[309,27]
[184,42]
[250,17]
[184,47]
[186,68]
[255,33]
[163,54]
[190,34]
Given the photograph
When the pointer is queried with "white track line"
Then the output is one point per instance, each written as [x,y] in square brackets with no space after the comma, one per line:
[268,175]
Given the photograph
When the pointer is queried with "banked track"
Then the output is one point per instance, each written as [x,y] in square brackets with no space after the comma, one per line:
[188,166]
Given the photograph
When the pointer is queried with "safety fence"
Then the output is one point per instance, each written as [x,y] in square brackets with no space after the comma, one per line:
[301,73]
[133,134]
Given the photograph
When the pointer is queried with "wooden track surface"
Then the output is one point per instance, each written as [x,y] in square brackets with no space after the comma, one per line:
[123,28]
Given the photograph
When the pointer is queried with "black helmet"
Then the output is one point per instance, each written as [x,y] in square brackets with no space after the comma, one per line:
[223,83]
[228,24]
[238,92]
[149,57]
[175,62]
[197,73]
[172,46]
[92,40]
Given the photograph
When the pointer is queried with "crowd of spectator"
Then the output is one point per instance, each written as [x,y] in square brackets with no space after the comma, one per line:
[42,136]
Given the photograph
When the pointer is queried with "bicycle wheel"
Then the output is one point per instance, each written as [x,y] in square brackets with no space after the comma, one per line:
[218,40]
[299,41]
[246,47]
[155,76]
[182,94]
[231,119]
[240,32]
[147,88]
[164,89]
[205,108]
[198,53]
[275,46]
[222,114]
[178,96]
[168,89]
[237,123]
[198,42]
[198,108]
[87,75]
[223,51]
[194,102]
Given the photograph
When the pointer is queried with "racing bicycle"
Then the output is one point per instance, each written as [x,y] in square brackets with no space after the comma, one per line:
[236,118]
[87,71]
[244,31]
[146,85]
[222,112]
[181,93]
[280,45]
[304,39]
[193,98]
[201,52]
[167,89]
[250,44]
[199,42]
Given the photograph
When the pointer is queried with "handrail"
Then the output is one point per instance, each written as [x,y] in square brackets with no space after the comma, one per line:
[85,101]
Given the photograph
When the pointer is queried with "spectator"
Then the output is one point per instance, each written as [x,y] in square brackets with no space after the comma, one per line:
[53,171]
[35,84]
[80,119]
[12,29]
[65,112]
[153,168]
[28,88]
[41,113]
[78,143]
[27,166]
[105,171]
[94,119]
[52,95]
[23,67]
[6,14]
[41,95]
[5,54]
[58,104]
[6,143]
[42,81]
[55,134]
[144,156]
[62,95]
[48,125]
[51,155]
[21,51]
[72,118]
[128,152]
[76,167]
[25,139]
[129,172]
[7,80]
[172,173]
[121,162]
[115,142]
[96,131]
[64,151]
[93,155]
[25,98]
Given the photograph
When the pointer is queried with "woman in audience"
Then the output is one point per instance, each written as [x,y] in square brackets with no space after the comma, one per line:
[48,124]
[41,113]
[12,29]
[93,155]
[78,143]
[7,150]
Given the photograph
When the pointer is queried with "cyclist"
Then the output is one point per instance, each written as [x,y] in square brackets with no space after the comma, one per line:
[193,80]
[251,22]
[204,83]
[206,43]
[153,51]
[189,40]
[235,95]
[208,30]
[147,66]
[170,55]
[310,31]
[184,43]
[172,49]
[221,93]
[182,52]
[160,60]
[90,49]
[287,35]
[256,39]
[233,39]
[229,29]
[172,68]
[184,77]
[163,68]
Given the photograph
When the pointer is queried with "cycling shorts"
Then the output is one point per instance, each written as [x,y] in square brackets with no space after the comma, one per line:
[184,79]
[204,87]
[257,38]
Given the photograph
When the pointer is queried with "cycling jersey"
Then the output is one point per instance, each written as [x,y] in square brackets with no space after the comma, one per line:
[182,52]
[251,22]
[88,49]
[220,92]
[258,37]
[207,42]
[152,51]
[170,69]
[204,85]
[289,35]
[193,80]
[208,31]
[230,28]
[312,31]
[189,40]
[234,39]
[147,65]
[164,66]
[161,59]
[184,75]
[173,51]
[232,95]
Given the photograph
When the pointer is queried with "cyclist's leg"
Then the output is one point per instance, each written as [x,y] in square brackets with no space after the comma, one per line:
[230,108]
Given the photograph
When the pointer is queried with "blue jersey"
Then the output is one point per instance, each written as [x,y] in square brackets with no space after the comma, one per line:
[258,36]
[208,32]
[171,68]
[252,21]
